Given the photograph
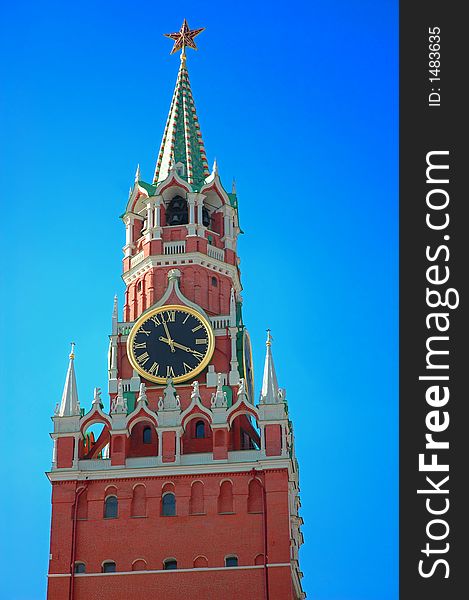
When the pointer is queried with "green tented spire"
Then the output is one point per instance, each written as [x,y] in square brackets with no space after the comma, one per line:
[182,140]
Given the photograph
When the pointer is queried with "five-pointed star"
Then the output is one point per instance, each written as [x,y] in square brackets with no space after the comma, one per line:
[184,37]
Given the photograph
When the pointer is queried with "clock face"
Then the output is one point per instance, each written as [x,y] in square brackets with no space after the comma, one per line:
[248,366]
[171,341]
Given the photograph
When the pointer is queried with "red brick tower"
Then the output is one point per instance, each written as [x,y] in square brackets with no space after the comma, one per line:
[188,490]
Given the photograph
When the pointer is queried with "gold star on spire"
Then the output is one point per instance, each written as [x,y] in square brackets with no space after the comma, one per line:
[184,37]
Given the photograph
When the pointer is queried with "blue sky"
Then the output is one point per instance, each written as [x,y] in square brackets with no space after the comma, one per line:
[296,100]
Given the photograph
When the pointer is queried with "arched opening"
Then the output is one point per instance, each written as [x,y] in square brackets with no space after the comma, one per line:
[170,564]
[168,505]
[108,567]
[255,497]
[177,212]
[80,567]
[197,436]
[143,440]
[244,434]
[139,565]
[139,501]
[231,561]
[225,498]
[196,502]
[200,562]
[95,442]
[111,507]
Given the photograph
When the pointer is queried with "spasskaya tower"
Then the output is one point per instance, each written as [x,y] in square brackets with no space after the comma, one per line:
[184,487]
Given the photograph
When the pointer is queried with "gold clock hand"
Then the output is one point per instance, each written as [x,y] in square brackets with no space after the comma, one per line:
[177,345]
[170,341]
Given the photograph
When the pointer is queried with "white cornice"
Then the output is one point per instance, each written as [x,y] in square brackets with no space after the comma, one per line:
[173,571]
[167,471]
[172,261]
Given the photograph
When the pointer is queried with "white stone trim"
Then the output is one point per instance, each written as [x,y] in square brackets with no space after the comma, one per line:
[157,571]
[172,261]
[167,470]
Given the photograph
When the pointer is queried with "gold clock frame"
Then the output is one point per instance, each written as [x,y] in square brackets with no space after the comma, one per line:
[246,335]
[154,311]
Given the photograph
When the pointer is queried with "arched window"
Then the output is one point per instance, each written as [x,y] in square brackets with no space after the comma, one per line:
[170,564]
[225,498]
[80,567]
[139,286]
[168,508]
[147,435]
[111,507]
[196,503]
[139,502]
[200,429]
[177,213]
[259,559]
[231,561]
[214,281]
[255,499]
[109,567]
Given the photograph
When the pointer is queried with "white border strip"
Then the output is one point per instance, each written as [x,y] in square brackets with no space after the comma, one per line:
[151,572]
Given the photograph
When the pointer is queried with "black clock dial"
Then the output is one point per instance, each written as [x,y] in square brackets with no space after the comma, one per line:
[170,342]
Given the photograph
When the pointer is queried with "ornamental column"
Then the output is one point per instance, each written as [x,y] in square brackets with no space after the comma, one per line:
[129,241]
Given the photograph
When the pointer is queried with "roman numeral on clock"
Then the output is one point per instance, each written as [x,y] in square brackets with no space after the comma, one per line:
[153,370]
[187,368]
[169,371]
[143,358]
[197,328]
[140,345]
[201,340]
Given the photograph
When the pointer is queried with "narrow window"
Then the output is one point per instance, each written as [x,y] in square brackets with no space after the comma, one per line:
[170,564]
[169,505]
[214,282]
[110,507]
[109,567]
[80,567]
[139,286]
[147,435]
[231,561]
[200,429]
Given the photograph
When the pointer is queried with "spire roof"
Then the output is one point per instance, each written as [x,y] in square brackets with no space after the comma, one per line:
[269,391]
[69,406]
[182,140]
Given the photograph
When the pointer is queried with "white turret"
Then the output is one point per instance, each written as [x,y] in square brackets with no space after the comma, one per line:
[70,406]
[270,389]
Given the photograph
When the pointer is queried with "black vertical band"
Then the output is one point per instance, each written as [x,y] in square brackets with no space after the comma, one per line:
[434,257]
